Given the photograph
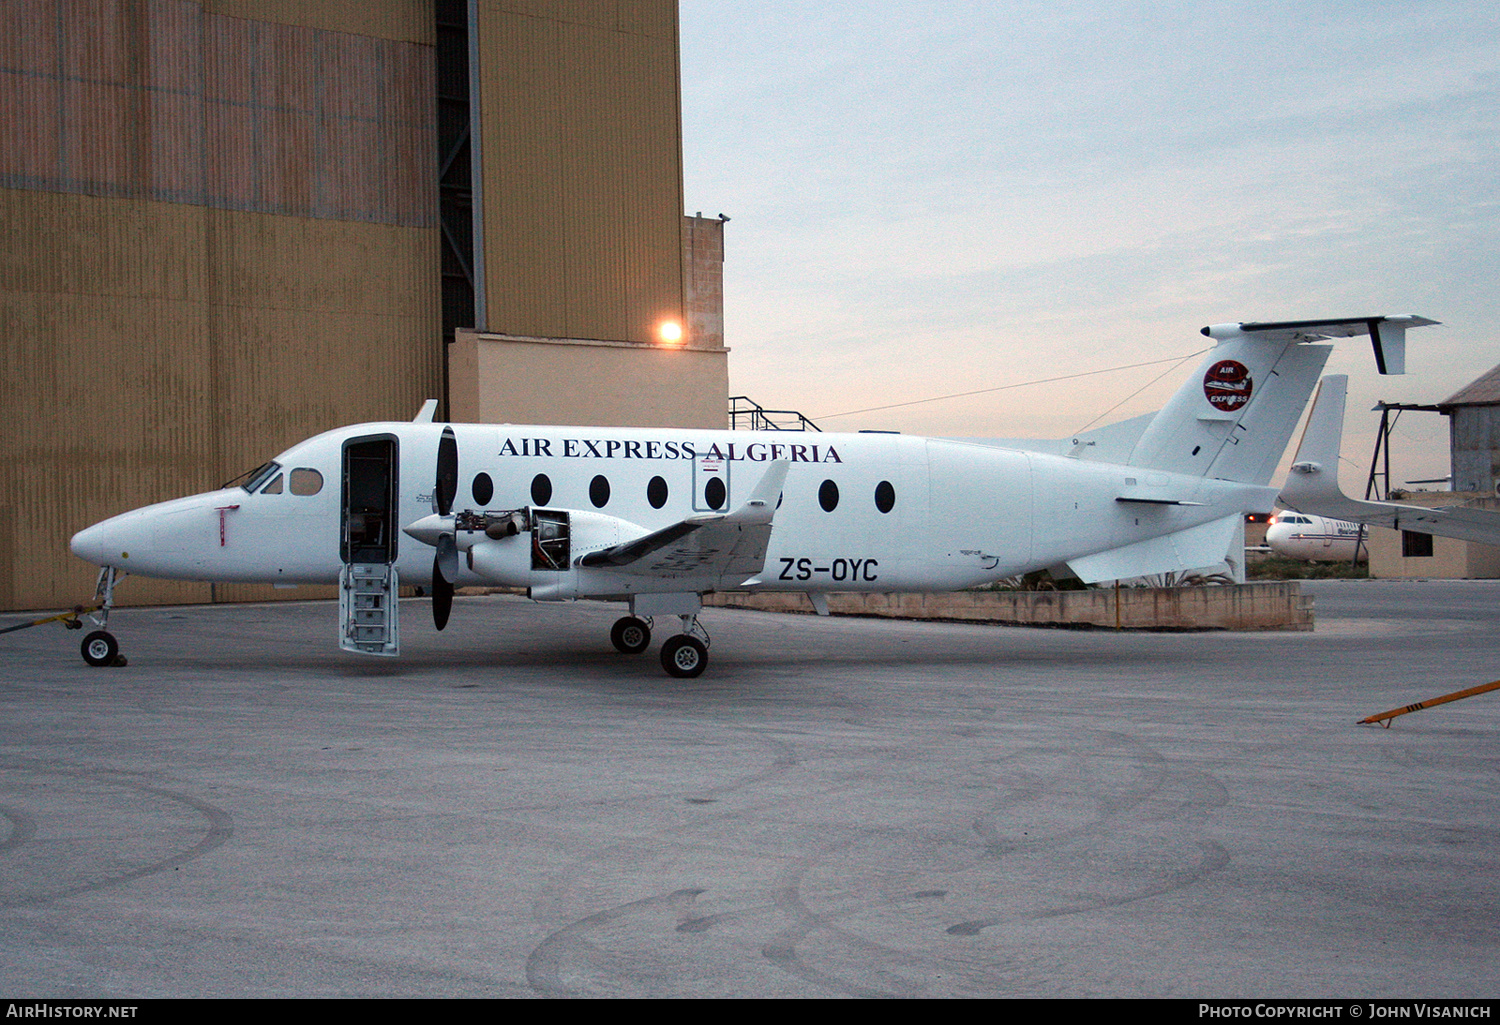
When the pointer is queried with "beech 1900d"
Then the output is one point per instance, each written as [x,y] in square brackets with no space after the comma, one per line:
[658,518]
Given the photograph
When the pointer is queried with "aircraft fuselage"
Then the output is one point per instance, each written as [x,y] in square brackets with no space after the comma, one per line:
[876,512]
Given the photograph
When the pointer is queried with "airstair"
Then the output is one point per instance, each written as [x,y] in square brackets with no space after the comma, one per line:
[368,609]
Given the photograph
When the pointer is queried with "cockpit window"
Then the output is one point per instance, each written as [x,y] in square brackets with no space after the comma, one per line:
[274,488]
[306,481]
[252,479]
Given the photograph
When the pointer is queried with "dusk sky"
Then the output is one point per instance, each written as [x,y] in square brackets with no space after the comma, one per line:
[938,197]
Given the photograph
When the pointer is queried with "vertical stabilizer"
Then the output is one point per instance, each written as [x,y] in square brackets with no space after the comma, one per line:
[1232,419]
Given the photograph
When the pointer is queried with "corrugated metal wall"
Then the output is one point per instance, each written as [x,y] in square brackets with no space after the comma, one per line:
[219,238]
[582,165]
[1474,433]
[161,99]
[219,225]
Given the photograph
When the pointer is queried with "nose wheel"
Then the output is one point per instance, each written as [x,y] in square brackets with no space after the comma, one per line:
[101,649]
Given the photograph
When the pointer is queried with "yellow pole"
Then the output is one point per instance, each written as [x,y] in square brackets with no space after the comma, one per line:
[1386,717]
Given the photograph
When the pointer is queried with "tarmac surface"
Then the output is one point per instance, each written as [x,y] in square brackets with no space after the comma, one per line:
[838,807]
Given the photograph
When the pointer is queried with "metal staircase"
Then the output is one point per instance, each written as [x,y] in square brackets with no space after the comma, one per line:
[368,609]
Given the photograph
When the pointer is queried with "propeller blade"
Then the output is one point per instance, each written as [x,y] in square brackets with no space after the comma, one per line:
[445,562]
[445,559]
[442,594]
[445,489]
[444,574]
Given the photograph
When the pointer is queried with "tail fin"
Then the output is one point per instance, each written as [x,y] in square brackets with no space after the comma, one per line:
[1313,485]
[1232,419]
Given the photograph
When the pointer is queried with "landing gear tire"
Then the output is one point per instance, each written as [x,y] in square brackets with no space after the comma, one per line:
[630,635]
[684,657]
[100,648]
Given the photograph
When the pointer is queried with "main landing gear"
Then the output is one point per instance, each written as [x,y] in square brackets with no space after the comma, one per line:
[684,655]
[630,635]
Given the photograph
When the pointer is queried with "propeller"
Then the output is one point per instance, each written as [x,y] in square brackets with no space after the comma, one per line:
[445,558]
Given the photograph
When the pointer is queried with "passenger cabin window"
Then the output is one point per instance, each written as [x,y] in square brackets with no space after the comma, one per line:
[715,493]
[828,496]
[656,492]
[305,481]
[599,491]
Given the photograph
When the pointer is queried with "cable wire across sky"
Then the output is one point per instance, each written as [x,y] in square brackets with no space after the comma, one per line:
[1174,360]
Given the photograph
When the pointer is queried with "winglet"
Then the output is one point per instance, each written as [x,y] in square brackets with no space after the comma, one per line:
[426,413]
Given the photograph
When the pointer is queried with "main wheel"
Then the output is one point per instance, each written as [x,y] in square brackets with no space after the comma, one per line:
[100,648]
[630,635]
[684,656]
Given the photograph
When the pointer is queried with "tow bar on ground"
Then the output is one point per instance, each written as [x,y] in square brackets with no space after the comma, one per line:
[99,647]
[1384,718]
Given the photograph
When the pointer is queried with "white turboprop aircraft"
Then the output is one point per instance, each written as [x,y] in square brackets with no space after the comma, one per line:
[658,518]
[1313,485]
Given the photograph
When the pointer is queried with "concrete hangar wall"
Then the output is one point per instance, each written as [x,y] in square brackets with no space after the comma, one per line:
[221,231]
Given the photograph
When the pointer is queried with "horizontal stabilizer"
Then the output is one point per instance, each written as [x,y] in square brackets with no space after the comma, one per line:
[1193,548]
[1387,334]
[1313,485]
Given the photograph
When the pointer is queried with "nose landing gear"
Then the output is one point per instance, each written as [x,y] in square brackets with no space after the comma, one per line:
[99,647]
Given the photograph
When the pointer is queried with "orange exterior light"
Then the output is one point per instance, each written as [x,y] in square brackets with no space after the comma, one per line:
[670,332]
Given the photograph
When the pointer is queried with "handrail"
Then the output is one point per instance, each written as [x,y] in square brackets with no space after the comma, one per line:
[747,414]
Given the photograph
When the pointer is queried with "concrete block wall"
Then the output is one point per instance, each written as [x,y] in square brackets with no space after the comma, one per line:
[1261,606]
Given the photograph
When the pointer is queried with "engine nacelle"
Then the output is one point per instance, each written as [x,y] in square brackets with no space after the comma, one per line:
[543,555]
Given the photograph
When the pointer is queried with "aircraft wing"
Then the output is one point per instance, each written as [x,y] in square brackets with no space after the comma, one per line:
[1313,485]
[729,545]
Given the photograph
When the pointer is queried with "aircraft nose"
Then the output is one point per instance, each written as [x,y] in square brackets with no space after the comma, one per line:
[96,544]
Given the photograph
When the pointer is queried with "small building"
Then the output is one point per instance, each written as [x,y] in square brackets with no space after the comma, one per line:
[1408,554]
[1473,414]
